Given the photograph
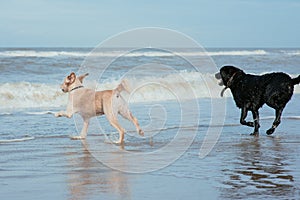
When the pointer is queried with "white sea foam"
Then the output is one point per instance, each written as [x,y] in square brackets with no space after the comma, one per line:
[292,53]
[288,52]
[177,86]
[33,53]
[30,95]
[272,117]
[40,113]
[238,53]
[114,53]
[16,140]
[5,113]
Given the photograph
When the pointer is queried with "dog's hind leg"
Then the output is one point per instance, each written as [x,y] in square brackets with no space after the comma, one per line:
[128,115]
[114,123]
[113,120]
[111,114]
[276,121]
[256,122]
[244,113]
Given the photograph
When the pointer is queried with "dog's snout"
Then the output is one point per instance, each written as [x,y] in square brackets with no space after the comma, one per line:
[218,75]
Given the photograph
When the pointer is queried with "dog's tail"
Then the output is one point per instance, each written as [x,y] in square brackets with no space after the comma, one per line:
[123,86]
[296,80]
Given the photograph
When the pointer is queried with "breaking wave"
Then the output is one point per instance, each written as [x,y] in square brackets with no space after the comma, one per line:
[182,85]
[30,95]
[113,53]
[34,53]
[35,95]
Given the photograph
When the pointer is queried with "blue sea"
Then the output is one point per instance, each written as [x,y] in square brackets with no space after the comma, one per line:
[194,146]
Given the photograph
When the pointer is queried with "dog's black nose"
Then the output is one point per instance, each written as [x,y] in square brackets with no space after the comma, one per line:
[218,75]
[63,90]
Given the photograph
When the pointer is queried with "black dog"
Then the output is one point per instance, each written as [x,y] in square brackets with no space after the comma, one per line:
[251,92]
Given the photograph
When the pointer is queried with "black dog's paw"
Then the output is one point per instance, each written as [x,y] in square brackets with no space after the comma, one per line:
[270,131]
[255,134]
[251,124]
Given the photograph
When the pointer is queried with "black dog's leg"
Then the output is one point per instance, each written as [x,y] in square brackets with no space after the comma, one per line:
[255,114]
[243,117]
[276,121]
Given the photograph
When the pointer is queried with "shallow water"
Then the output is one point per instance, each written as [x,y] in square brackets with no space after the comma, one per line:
[238,167]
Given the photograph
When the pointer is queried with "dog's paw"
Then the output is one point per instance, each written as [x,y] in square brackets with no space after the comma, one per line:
[119,142]
[141,132]
[270,131]
[255,133]
[77,138]
[251,124]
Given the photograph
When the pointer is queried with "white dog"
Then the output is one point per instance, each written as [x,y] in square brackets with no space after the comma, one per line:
[89,103]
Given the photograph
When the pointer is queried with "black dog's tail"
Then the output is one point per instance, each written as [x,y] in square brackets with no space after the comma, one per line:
[296,80]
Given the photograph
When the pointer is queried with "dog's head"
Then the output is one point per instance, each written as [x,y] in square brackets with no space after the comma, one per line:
[226,75]
[71,82]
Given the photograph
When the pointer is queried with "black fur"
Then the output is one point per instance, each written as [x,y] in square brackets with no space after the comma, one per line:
[251,92]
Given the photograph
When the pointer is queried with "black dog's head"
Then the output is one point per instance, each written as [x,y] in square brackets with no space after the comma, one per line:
[226,75]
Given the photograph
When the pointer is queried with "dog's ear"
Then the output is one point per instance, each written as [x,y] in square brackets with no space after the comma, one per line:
[71,78]
[81,77]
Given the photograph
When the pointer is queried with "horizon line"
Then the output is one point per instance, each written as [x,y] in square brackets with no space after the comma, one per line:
[88,47]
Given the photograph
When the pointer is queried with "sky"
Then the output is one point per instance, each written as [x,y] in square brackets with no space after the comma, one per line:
[212,23]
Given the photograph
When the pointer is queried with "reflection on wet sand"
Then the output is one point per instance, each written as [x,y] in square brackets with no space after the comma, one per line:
[90,179]
[261,167]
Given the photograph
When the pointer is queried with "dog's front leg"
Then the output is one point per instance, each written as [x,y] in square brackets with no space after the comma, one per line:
[244,113]
[68,113]
[83,132]
[255,114]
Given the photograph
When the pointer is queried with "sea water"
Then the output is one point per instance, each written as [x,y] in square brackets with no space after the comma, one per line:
[171,98]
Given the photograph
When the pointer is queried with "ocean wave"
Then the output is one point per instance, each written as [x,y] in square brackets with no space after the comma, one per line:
[291,52]
[182,85]
[33,53]
[5,114]
[272,117]
[115,53]
[16,139]
[179,86]
[30,95]
[47,112]
[238,53]
[198,53]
